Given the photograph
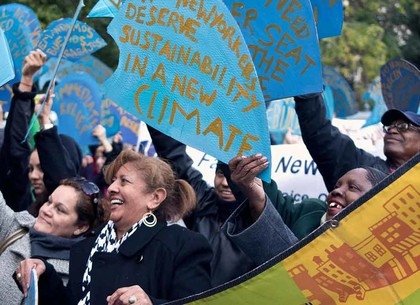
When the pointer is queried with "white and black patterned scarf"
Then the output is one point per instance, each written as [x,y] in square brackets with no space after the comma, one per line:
[105,242]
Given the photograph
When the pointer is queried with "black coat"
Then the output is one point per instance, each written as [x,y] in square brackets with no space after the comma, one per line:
[167,262]
[60,156]
[229,261]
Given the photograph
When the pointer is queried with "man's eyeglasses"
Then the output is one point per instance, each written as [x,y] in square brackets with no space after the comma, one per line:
[401,127]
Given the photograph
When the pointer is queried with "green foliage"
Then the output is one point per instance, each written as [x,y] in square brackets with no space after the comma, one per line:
[374,32]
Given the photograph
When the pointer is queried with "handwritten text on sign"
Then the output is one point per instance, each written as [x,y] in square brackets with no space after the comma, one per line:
[282,39]
[22,30]
[83,40]
[78,107]
[126,123]
[185,69]
[401,85]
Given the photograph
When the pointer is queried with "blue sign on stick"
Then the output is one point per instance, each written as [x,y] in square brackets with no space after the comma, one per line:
[84,40]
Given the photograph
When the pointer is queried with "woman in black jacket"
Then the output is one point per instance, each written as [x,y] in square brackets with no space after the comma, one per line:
[137,258]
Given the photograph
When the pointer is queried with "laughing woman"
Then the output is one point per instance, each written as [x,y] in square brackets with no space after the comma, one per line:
[71,210]
[137,258]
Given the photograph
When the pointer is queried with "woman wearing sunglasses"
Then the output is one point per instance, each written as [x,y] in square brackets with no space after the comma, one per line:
[71,210]
[137,258]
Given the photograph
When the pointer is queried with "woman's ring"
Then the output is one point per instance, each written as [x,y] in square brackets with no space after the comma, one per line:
[18,275]
[132,299]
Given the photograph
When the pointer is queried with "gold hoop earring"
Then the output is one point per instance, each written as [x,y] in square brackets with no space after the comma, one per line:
[148,223]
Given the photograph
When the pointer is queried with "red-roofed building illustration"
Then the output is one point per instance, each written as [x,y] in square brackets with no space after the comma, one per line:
[391,253]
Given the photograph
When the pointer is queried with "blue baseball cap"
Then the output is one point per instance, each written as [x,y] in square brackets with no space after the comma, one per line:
[394,114]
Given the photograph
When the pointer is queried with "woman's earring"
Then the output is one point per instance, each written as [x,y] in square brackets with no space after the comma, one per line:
[147,222]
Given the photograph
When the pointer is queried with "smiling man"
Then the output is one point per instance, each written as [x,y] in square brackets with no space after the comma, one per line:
[402,136]
[335,153]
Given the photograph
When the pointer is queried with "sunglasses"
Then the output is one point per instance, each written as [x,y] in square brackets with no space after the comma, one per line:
[401,127]
[89,188]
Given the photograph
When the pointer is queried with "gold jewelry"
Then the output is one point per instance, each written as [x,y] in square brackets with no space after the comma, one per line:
[132,299]
[148,223]
[18,275]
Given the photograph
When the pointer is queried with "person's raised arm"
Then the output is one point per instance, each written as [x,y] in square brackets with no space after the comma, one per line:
[333,152]
[262,233]
[60,156]
[100,133]
[14,155]
[244,171]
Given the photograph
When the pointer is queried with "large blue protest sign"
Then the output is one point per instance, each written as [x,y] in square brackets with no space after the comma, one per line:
[22,31]
[88,64]
[185,69]
[114,119]
[7,69]
[105,8]
[344,99]
[282,40]
[401,85]
[329,17]
[84,40]
[374,93]
[282,117]
[78,105]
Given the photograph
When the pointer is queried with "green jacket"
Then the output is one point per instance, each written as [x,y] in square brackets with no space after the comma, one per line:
[302,218]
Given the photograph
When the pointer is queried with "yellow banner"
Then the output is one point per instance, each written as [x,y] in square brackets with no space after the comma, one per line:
[370,256]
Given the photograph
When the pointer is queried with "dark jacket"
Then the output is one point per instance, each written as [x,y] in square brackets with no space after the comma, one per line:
[229,261]
[334,153]
[167,262]
[60,156]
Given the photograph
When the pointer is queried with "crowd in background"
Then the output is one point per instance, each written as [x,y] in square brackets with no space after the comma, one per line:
[119,227]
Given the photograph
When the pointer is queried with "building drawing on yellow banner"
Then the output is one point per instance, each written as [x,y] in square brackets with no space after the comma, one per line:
[390,254]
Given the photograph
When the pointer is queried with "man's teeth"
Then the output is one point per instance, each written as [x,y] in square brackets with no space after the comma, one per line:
[117,201]
[335,205]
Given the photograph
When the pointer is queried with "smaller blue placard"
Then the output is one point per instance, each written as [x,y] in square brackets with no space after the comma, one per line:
[84,40]
[401,85]
[78,105]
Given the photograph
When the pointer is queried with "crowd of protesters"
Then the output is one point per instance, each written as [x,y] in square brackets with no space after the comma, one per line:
[100,228]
